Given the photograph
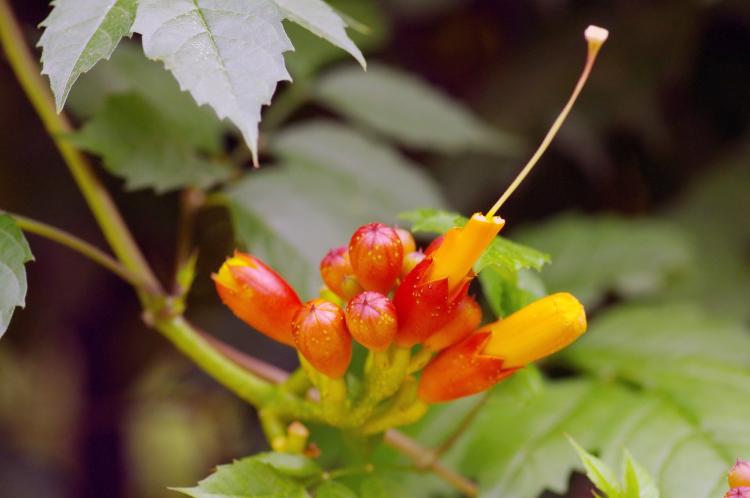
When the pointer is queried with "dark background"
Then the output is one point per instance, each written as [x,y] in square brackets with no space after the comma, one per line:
[92,404]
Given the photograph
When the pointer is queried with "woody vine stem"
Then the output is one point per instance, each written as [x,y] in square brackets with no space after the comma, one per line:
[161,310]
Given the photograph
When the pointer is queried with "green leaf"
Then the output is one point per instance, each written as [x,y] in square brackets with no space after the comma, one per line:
[319,18]
[507,293]
[226,54]
[246,478]
[77,35]
[14,253]
[698,361]
[330,181]
[291,465]
[408,110]
[502,254]
[596,255]
[638,483]
[598,472]
[128,71]
[311,52]
[146,148]
[332,489]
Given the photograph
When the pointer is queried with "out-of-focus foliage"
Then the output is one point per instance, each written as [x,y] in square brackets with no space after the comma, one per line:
[409,111]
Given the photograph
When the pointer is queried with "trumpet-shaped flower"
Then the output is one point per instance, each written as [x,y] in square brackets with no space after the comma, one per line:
[498,349]
[258,296]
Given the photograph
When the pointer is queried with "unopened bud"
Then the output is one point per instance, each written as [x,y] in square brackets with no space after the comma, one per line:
[411,260]
[376,255]
[741,492]
[258,296]
[371,319]
[336,271]
[407,240]
[740,474]
[320,334]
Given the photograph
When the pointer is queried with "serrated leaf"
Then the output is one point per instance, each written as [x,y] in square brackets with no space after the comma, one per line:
[502,254]
[332,489]
[598,472]
[77,35]
[246,478]
[14,253]
[311,52]
[227,54]
[596,255]
[331,181]
[319,18]
[408,110]
[145,147]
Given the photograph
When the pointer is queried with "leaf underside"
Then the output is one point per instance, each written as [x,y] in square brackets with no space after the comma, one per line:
[14,253]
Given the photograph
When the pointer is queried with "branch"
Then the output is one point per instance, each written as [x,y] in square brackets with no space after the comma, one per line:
[27,71]
[80,246]
[424,458]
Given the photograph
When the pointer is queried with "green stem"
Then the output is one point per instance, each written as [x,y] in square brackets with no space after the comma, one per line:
[297,383]
[273,429]
[27,71]
[81,246]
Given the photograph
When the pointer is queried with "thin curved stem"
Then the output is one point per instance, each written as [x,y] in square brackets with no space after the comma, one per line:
[26,69]
[80,246]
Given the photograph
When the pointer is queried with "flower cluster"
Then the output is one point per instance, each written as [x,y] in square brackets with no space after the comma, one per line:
[385,294]
[739,480]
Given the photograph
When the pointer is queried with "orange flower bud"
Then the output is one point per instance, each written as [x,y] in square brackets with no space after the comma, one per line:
[462,247]
[376,255]
[461,370]
[258,296]
[407,240]
[320,334]
[371,319]
[337,273]
[537,330]
[465,320]
[424,306]
[411,260]
[740,474]
[741,492]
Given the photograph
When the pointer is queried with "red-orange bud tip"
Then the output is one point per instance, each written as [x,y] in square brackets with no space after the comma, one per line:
[740,474]
[337,273]
[741,492]
[371,319]
[320,334]
[465,320]
[258,296]
[461,370]
[376,255]
[407,240]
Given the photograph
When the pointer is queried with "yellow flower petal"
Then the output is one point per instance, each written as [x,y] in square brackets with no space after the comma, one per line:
[537,330]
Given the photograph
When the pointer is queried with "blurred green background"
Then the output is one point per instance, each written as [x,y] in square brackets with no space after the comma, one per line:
[652,168]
